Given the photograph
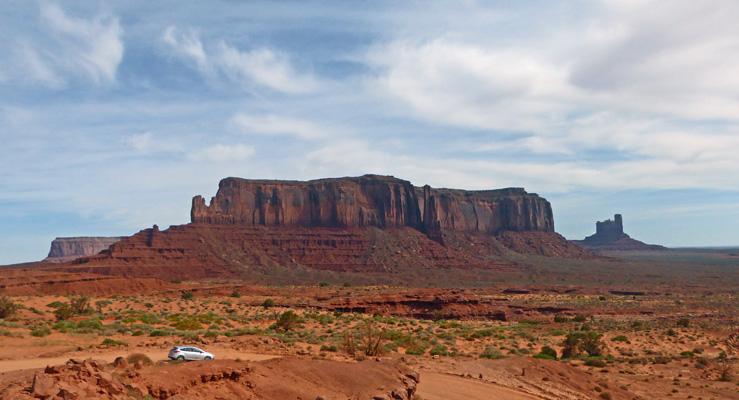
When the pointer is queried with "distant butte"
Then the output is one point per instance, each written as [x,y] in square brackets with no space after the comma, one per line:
[609,236]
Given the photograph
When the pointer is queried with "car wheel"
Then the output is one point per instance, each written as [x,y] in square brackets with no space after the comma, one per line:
[181,358]
[208,358]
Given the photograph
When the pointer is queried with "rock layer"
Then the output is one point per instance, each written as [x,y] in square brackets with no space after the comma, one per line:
[70,248]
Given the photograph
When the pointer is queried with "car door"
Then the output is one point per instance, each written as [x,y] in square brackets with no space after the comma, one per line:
[189,353]
[198,354]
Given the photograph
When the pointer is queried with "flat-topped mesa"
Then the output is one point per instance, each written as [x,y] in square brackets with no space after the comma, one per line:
[372,200]
[69,248]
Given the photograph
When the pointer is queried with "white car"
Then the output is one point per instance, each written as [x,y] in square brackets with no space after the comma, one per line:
[189,353]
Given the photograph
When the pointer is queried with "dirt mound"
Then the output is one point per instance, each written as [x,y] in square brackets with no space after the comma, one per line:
[274,379]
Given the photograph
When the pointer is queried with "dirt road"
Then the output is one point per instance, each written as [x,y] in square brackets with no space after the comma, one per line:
[435,386]
[158,355]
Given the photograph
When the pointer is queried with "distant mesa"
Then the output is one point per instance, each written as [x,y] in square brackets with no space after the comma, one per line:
[368,224]
[609,236]
[65,249]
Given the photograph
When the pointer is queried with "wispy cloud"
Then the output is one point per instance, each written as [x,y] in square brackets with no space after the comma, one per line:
[72,47]
[223,153]
[260,66]
[278,125]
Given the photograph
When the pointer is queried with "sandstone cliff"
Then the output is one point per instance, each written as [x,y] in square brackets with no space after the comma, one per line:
[70,248]
[371,200]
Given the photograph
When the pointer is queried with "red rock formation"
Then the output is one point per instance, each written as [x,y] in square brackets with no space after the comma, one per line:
[369,224]
[69,248]
[371,200]
[609,236]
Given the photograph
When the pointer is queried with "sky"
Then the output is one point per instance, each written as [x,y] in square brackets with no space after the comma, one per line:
[113,115]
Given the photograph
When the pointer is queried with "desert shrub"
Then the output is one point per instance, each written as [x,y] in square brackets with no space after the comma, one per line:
[491,353]
[580,318]
[138,332]
[41,332]
[595,362]
[268,303]
[439,350]
[560,318]
[323,284]
[175,281]
[159,333]
[620,338]
[188,295]
[7,307]
[113,342]
[186,322]
[100,304]
[349,344]
[549,351]
[63,312]
[606,396]
[331,347]
[211,334]
[724,371]
[544,356]
[687,354]
[55,304]
[235,294]
[371,338]
[671,332]
[661,360]
[587,341]
[288,321]
[80,305]
[135,357]
[683,322]
[591,343]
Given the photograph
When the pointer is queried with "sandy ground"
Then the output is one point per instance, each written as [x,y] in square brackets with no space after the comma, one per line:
[434,386]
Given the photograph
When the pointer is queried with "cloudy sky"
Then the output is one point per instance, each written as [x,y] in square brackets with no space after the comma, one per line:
[113,115]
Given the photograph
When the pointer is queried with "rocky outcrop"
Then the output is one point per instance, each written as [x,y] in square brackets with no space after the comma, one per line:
[372,201]
[609,236]
[70,248]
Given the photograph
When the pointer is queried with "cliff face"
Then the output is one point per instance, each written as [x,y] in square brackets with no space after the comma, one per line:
[370,200]
[382,202]
[70,248]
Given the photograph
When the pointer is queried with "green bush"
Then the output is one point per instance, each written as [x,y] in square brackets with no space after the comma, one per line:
[621,338]
[544,356]
[188,295]
[288,321]
[439,350]
[159,333]
[683,322]
[595,362]
[112,342]
[491,353]
[7,307]
[63,312]
[549,351]
[580,318]
[268,303]
[235,294]
[41,332]
[80,305]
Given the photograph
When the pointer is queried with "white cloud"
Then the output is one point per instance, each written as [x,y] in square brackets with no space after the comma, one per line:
[88,47]
[278,125]
[142,142]
[223,153]
[261,66]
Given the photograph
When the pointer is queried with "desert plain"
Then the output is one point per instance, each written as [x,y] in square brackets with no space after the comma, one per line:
[634,325]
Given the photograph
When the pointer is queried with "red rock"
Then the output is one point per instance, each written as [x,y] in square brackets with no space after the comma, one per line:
[43,385]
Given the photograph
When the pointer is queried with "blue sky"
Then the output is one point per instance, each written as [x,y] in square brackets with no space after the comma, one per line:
[113,115]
